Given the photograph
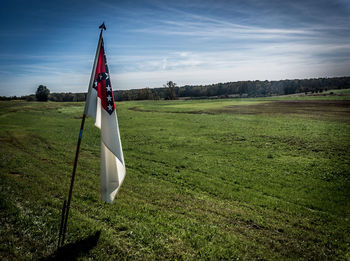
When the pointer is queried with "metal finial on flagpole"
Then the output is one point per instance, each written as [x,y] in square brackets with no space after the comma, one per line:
[102,26]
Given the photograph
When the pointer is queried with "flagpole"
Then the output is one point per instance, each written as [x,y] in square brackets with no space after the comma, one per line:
[66,207]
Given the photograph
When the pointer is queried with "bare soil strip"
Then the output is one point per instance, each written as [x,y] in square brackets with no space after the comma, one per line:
[336,109]
[328,109]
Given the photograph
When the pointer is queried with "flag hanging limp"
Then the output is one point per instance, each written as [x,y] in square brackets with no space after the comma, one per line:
[100,106]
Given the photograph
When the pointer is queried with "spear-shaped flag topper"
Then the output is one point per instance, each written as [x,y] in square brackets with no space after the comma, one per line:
[102,26]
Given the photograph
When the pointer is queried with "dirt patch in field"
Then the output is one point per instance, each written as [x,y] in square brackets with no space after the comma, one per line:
[337,110]
[329,109]
[189,112]
[14,173]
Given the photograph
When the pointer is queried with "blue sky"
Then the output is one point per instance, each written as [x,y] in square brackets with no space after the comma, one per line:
[189,42]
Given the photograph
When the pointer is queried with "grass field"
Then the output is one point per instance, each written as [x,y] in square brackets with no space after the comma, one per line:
[265,178]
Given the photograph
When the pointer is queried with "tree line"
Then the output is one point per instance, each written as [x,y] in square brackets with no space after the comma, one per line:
[235,89]
[171,91]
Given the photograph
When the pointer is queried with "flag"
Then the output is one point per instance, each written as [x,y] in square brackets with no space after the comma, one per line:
[100,106]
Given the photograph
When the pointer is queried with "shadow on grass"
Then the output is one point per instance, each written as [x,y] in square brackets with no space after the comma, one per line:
[74,250]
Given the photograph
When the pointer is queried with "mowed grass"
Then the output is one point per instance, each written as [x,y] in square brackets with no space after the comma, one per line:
[223,179]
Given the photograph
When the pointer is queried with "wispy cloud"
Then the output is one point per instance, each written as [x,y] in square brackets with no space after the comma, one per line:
[225,30]
[189,42]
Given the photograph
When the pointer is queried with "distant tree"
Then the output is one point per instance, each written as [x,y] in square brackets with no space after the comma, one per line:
[42,93]
[68,97]
[30,97]
[170,90]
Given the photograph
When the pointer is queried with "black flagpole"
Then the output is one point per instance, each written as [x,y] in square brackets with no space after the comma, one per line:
[65,209]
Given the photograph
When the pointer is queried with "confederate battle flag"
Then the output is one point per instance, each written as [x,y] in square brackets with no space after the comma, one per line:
[100,106]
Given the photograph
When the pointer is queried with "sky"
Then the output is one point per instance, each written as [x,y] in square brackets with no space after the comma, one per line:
[190,42]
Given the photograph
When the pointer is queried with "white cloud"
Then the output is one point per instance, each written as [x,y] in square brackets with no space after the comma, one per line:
[189,49]
[257,62]
[274,69]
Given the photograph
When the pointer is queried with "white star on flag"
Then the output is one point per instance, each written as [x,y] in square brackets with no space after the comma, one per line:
[108,88]
[109,107]
[106,75]
[109,98]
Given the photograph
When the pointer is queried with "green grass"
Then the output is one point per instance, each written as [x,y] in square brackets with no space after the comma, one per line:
[222,179]
[340,91]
